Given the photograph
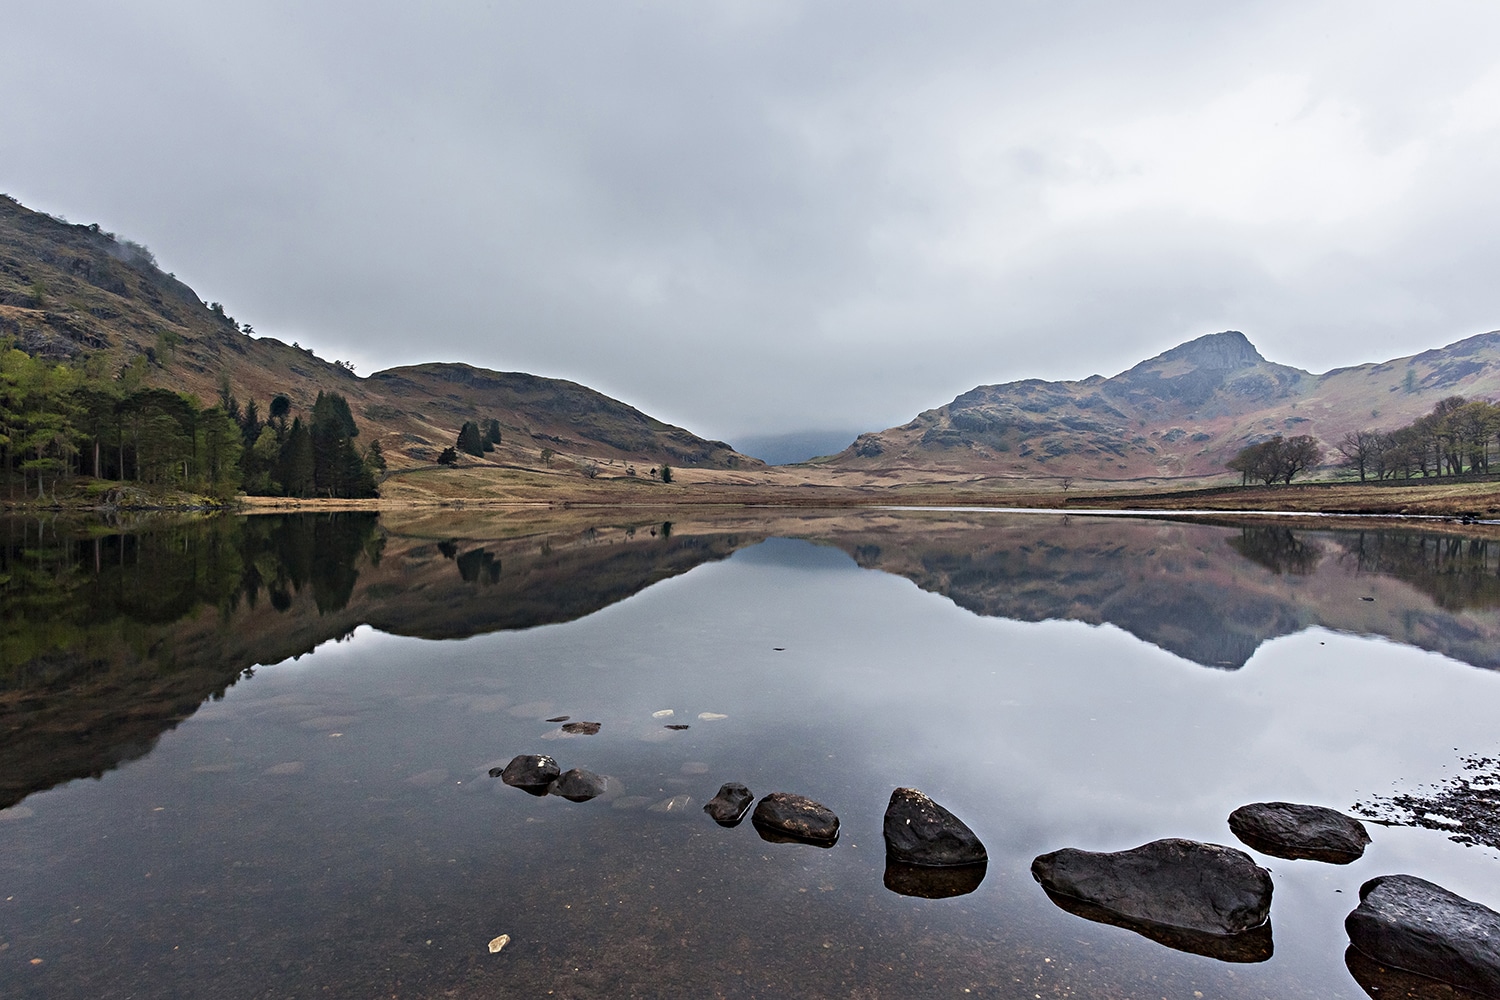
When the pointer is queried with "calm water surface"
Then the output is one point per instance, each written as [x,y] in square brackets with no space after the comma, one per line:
[249,759]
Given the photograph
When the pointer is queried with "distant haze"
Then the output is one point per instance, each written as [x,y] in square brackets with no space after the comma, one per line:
[755,218]
[786,449]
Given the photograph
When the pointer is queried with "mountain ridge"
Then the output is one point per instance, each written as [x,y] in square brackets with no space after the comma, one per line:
[1182,413]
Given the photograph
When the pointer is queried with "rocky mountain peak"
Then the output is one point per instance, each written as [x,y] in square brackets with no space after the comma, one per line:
[1213,352]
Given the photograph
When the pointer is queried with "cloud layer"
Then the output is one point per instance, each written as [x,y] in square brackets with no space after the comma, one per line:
[756,217]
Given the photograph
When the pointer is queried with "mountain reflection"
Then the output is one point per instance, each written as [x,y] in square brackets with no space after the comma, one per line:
[108,638]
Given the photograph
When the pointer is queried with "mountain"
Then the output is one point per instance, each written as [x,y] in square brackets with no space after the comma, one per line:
[1183,413]
[75,291]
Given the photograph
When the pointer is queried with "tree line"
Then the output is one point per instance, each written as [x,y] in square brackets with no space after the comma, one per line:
[1456,438]
[61,419]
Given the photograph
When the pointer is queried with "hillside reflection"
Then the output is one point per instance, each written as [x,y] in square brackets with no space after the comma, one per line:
[108,638]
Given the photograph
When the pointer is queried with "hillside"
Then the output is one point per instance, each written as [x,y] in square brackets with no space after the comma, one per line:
[1183,413]
[77,292]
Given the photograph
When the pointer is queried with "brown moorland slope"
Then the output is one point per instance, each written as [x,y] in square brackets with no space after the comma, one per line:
[75,292]
[1178,415]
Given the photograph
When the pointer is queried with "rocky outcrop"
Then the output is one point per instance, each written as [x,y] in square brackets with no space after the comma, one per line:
[1184,884]
[729,806]
[782,817]
[918,831]
[1409,923]
[1292,831]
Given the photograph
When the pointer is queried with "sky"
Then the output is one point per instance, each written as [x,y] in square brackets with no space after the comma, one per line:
[756,217]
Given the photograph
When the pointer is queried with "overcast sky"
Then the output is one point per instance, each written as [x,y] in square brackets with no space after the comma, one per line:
[766,216]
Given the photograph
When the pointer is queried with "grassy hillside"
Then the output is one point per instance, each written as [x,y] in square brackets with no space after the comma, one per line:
[76,292]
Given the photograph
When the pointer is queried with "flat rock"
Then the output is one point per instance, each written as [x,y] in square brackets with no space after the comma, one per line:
[729,806]
[582,728]
[784,817]
[1175,883]
[1292,831]
[918,831]
[579,785]
[1409,923]
[529,770]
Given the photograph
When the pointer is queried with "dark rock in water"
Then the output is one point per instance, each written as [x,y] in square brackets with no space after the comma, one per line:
[1254,945]
[1385,982]
[1288,830]
[531,771]
[1176,883]
[560,718]
[729,806]
[782,817]
[918,831]
[579,785]
[678,727]
[927,882]
[1409,923]
[582,728]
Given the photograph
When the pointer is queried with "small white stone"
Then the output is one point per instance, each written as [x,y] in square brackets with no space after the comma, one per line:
[665,713]
[498,943]
[711,716]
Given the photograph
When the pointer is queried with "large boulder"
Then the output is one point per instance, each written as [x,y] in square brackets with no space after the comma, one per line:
[918,831]
[579,785]
[1292,831]
[1175,883]
[784,817]
[530,771]
[1409,923]
[730,805]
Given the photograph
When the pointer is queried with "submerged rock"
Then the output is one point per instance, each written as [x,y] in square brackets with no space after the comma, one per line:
[676,805]
[530,771]
[918,831]
[582,728]
[1410,923]
[782,817]
[927,882]
[1289,830]
[579,785]
[1175,883]
[729,806]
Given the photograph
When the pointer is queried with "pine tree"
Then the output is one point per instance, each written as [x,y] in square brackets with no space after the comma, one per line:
[469,440]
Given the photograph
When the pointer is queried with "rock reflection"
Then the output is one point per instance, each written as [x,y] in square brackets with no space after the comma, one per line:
[1248,947]
[1385,982]
[926,882]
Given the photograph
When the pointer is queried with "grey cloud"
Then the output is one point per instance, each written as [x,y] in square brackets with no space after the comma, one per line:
[755,218]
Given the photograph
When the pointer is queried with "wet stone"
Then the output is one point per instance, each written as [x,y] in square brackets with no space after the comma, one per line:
[582,728]
[729,806]
[579,785]
[1288,830]
[1176,883]
[560,718]
[529,770]
[1412,924]
[677,728]
[783,817]
[918,831]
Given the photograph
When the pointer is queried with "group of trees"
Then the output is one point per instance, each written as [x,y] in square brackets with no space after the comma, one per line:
[1277,459]
[59,420]
[1454,439]
[472,441]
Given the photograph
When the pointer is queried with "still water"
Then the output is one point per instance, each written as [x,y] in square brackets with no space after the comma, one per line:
[250,758]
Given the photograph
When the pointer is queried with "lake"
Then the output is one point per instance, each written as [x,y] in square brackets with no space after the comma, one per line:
[250,757]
